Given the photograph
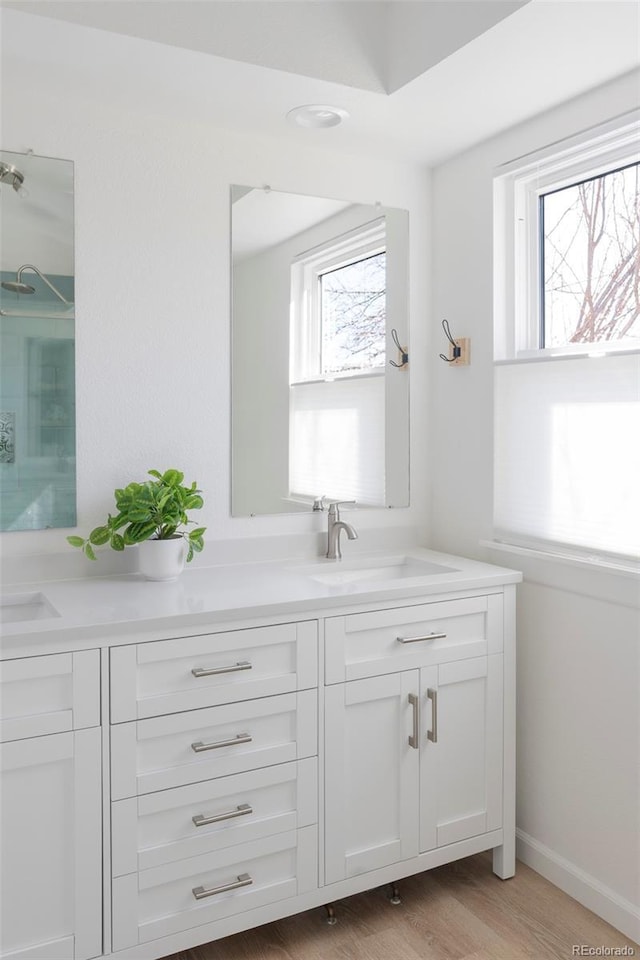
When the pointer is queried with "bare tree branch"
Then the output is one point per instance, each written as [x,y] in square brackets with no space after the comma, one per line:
[592,259]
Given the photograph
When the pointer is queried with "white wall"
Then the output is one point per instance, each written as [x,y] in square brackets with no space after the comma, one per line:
[578,629]
[152,295]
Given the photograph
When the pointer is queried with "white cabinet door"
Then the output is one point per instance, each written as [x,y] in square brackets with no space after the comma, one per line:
[50,836]
[371,774]
[380,787]
[461,750]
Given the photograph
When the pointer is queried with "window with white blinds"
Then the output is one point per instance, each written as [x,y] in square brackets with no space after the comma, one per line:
[338,356]
[567,376]
[567,453]
[337,439]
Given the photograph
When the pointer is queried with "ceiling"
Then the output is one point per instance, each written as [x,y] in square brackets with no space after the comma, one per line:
[420,79]
[369,44]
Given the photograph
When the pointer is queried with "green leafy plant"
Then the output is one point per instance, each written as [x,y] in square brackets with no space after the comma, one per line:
[152,510]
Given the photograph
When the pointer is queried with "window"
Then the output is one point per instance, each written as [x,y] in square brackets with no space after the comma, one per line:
[338,356]
[567,374]
[589,233]
[338,304]
[352,311]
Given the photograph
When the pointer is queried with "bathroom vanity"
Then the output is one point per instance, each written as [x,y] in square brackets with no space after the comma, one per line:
[181,761]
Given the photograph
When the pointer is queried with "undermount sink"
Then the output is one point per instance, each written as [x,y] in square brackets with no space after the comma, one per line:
[26,606]
[368,569]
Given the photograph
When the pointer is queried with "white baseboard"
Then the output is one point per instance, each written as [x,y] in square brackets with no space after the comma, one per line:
[620,913]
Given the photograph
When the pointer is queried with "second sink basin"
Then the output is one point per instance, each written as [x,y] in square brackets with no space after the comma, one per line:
[372,569]
[25,606]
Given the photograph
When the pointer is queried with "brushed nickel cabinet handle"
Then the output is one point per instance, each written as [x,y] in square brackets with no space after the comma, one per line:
[414,739]
[244,880]
[430,636]
[199,746]
[214,671]
[240,811]
[433,733]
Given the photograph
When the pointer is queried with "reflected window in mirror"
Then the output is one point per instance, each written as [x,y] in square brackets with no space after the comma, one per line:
[318,284]
[338,355]
[338,298]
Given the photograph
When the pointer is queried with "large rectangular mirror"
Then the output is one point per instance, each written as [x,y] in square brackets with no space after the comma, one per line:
[320,376]
[37,349]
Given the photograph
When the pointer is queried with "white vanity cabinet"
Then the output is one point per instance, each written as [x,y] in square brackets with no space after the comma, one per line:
[215,791]
[198,775]
[51,808]
[413,757]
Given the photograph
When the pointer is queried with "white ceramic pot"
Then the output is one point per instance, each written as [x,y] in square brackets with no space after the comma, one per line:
[162,559]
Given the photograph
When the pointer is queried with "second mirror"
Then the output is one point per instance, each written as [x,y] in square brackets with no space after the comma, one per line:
[320,392]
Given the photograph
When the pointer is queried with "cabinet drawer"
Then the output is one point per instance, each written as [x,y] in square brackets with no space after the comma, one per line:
[160,901]
[385,641]
[204,817]
[52,694]
[164,752]
[167,676]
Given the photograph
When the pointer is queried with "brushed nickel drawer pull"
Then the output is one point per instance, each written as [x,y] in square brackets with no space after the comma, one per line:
[240,811]
[433,733]
[414,739]
[244,880]
[199,746]
[431,636]
[214,671]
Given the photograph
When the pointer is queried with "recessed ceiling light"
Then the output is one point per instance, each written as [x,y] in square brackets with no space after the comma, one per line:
[317,115]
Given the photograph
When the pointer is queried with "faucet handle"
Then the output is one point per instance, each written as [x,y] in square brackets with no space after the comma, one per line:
[318,504]
[334,507]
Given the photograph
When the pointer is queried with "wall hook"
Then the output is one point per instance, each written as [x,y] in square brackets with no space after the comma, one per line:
[401,350]
[459,348]
[447,330]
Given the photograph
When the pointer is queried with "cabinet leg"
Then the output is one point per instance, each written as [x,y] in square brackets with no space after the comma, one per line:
[504,860]
[395,897]
[331,914]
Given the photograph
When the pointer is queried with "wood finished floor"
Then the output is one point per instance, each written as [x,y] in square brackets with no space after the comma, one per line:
[457,912]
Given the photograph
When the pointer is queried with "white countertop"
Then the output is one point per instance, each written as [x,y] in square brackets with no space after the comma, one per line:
[100,611]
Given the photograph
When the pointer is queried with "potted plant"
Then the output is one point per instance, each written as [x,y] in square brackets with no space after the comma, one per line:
[154,515]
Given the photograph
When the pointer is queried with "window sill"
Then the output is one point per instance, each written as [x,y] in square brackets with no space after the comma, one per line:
[334,377]
[625,569]
[594,351]
[596,577]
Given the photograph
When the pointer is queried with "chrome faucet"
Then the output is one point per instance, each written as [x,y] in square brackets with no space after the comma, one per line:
[335,528]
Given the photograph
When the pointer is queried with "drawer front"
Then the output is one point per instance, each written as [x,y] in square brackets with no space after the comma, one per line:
[52,694]
[178,896]
[167,676]
[385,641]
[165,752]
[206,817]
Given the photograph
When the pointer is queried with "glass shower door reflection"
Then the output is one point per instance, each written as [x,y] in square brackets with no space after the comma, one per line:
[37,333]
[37,427]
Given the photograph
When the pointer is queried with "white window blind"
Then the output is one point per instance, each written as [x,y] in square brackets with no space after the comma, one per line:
[567,453]
[337,439]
